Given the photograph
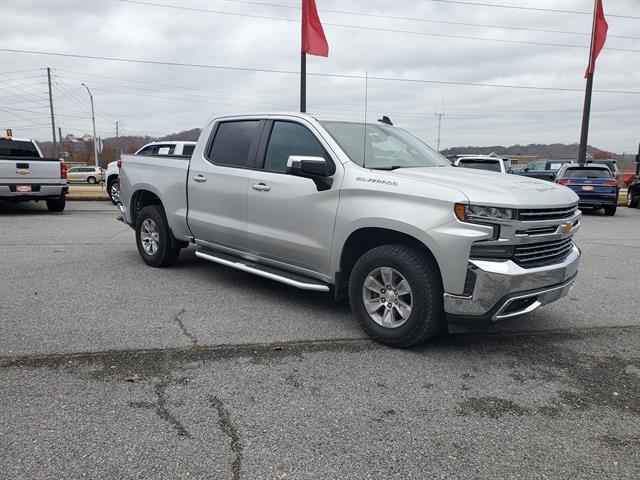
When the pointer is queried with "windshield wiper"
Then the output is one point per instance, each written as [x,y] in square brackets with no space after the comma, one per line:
[392,167]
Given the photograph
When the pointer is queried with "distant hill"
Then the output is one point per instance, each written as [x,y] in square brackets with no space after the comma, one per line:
[80,149]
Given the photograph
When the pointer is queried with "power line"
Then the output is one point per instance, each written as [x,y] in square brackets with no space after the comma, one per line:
[414,19]
[550,10]
[292,72]
[376,29]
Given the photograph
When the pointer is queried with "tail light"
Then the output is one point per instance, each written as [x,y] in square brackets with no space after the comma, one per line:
[564,182]
[611,184]
[63,170]
[119,163]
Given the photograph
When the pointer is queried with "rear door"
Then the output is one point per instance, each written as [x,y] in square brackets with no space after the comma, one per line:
[217,185]
[290,222]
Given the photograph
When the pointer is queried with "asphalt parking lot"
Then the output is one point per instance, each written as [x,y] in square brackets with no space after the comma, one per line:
[246,378]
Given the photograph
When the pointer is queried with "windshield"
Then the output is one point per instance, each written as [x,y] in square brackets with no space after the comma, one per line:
[586,172]
[17,148]
[490,165]
[386,147]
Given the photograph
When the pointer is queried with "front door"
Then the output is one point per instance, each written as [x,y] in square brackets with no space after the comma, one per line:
[290,222]
[217,185]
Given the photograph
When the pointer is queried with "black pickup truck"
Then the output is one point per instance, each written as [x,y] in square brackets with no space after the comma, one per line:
[542,169]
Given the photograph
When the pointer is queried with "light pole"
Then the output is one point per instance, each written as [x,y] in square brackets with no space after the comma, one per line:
[93,119]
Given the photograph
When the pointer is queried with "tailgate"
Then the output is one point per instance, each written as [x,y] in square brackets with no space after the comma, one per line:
[29,170]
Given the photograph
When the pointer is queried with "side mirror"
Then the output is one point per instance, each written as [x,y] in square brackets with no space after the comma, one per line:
[315,168]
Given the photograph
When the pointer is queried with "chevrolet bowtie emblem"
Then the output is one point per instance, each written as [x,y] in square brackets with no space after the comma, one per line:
[22,171]
[566,228]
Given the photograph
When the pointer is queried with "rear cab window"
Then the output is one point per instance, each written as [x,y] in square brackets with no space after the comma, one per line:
[188,149]
[490,165]
[234,142]
[17,148]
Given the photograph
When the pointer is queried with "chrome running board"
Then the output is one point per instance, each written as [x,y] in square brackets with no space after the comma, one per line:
[264,271]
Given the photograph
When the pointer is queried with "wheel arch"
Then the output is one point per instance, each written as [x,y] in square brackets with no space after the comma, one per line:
[363,239]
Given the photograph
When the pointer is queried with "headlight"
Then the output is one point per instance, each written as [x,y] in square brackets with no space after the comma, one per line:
[469,213]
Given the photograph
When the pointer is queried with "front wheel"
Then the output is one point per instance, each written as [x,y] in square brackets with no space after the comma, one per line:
[57,204]
[632,200]
[92,180]
[610,210]
[396,294]
[153,237]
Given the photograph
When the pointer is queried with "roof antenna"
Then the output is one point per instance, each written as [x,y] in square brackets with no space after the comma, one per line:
[364,125]
[385,119]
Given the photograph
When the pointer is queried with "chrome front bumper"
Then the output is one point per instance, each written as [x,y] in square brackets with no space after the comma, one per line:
[503,289]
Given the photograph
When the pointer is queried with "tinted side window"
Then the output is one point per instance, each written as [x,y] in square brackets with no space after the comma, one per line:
[232,143]
[287,139]
[188,149]
[146,150]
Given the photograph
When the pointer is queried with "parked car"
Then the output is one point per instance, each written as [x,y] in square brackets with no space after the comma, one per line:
[593,183]
[542,169]
[26,175]
[90,175]
[484,162]
[633,193]
[175,149]
[370,212]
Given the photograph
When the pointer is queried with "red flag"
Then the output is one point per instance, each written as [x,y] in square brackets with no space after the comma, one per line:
[600,28]
[313,39]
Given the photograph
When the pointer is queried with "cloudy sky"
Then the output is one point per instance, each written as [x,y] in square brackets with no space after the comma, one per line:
[418,54]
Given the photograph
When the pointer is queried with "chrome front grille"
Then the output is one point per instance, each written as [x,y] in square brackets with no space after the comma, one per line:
[536,214]
[533,254]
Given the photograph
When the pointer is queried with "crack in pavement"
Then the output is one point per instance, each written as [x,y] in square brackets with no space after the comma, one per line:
[227,427]
[161,408]
[192,338]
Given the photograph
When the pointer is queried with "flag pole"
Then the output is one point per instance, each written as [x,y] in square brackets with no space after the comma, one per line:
[303,82]
[586,111]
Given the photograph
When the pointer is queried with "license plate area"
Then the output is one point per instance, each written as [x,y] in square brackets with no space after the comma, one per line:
[587,188]
[24,189]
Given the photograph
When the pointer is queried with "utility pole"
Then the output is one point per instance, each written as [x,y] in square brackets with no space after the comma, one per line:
[93,119]
[61,143]
[53,123]
[439,115]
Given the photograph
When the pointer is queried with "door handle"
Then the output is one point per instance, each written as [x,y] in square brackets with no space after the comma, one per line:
[261,187]
[200,178]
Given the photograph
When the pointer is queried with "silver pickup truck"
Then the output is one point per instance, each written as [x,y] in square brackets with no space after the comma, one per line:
[26,175]
[368,211]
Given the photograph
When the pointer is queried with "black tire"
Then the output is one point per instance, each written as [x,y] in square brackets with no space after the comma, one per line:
[427,316]
[610,210]
[92,180]
[632,200]
[165,255]
[57,204]
[111,183]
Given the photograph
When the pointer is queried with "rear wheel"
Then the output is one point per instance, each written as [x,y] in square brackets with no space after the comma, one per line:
[113,191]
[632,200]
[154,239]
[92,180]
[610,210]
[57,204]
[396,293]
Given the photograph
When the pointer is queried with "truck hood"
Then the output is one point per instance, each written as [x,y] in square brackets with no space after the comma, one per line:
[494,189]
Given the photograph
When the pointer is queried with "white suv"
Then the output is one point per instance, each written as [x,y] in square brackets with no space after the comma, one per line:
[156,148]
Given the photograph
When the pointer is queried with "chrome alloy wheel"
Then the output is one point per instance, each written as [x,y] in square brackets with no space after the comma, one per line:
[387,297]
[115,193]
[149,236]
